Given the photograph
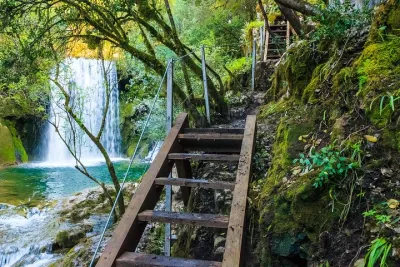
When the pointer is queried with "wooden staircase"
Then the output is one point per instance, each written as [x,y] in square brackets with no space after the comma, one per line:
[181,146]
[278,41]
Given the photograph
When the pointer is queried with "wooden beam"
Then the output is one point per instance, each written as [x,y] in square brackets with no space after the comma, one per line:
[129,230]
[203,157]
[197,219]
[214,130]
[199,183]
[233,246]
[130,259]
[184,170]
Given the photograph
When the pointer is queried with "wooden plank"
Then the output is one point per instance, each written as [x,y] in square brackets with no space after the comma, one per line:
[129,230]
[197,219]
[279,31]
[211,148]
[277,26]
[132,259]
[214,130]
[210,136]
[234,238]
[184,170]
[211,142]
[199,183]
[203,157]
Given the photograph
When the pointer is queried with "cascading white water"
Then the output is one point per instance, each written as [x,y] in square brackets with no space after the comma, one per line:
[85,81]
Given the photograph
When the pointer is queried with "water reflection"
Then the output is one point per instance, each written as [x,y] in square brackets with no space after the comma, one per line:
[32,183]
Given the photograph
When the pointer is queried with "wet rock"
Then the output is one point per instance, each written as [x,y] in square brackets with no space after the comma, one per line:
[71,237]
[387,172]
[219,241]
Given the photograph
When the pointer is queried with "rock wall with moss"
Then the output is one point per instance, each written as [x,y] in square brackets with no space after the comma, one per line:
[338,102]
[12,150]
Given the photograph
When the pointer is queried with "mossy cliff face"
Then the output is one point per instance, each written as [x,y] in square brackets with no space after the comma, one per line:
[11,148]
[130,113]
[321,98]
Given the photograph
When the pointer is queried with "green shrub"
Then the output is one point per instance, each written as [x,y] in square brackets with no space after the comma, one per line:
[329,162]
[337,19]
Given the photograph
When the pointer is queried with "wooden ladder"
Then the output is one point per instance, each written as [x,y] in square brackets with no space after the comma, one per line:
[180,147]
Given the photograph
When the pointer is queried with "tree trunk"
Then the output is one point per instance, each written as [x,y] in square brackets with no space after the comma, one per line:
[300,6]
[292,17]
[180,50]
[265,16]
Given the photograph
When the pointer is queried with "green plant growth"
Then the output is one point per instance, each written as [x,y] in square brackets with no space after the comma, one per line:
[329,162]
[379,249]
[392,98]
[385,213]
[339,18]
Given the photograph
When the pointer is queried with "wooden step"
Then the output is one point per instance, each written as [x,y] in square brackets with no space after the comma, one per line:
[214,130]
[197,219]
[277,26]
[211,142]
[130,259]
[278,31]
[203,157]
[194,183]
[210,136]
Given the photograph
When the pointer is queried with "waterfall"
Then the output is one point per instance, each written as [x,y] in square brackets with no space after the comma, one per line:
[84,80]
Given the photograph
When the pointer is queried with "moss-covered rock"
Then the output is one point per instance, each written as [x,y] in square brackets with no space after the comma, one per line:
[292,212]
[11,149]
[7,150]
[294,72]
[70,238]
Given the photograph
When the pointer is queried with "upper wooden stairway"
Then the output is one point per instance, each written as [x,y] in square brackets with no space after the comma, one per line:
[278,41]
[181,146]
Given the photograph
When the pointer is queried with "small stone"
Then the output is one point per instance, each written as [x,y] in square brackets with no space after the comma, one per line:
[387,172]
[219,241]
[359,263]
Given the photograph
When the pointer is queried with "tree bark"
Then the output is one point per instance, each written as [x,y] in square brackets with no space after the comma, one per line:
[292,17]
[265,16]
[300,6]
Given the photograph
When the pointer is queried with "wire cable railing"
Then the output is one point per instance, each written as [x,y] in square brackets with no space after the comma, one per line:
[129,167]
[145,127]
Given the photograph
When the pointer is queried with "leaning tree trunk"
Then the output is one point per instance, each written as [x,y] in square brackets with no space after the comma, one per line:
[292,17]
[300,6]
